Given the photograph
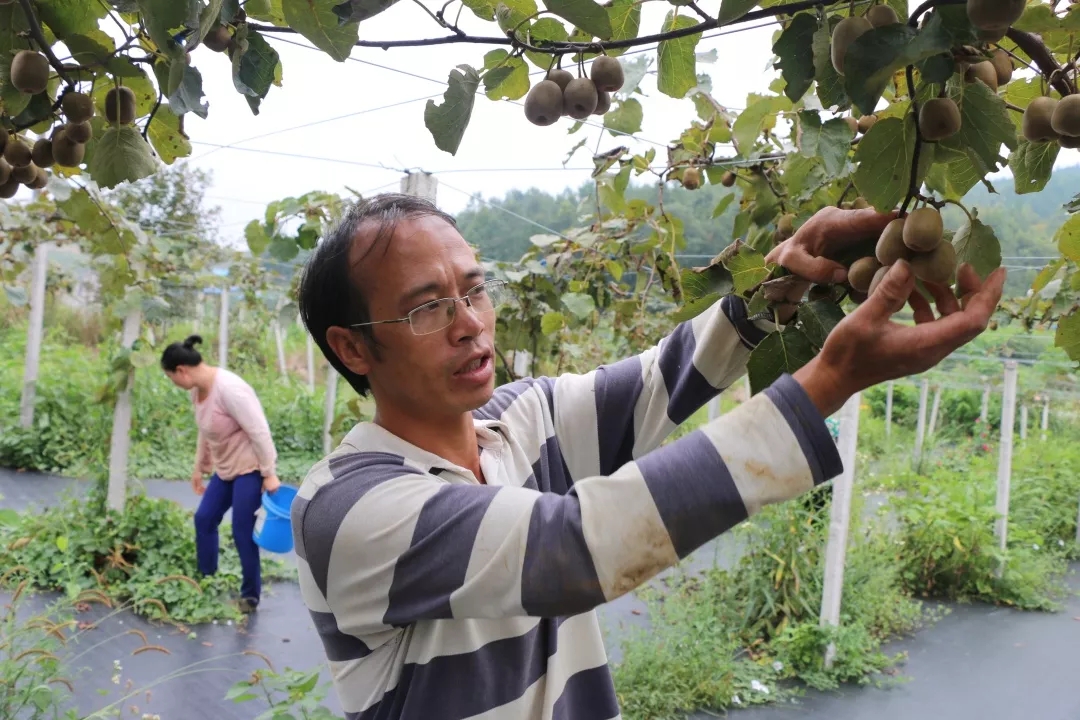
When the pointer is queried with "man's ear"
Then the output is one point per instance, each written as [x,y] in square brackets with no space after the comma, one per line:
[350,349]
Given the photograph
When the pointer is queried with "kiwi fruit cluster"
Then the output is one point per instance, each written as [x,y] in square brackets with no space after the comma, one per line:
[560,93]
[17,166]
[917,238]
[1048,119]
[848,30]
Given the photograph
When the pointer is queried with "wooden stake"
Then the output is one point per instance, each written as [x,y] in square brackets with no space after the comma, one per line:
[34,334]
[121,429]
[223,329]
[888,409]
[920,427]
[1008,417]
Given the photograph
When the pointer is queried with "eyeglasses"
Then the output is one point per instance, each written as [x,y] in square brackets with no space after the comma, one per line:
[438,314]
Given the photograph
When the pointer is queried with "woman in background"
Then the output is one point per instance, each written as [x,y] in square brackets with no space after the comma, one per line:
[234,445]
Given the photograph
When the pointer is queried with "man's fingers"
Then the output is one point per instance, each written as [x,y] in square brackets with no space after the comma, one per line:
[815,269]
[946,302]
[968,283]
[920,307]
[892,292]
[847,225]
[948,333]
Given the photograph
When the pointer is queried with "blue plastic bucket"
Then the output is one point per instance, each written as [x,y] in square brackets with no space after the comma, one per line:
[273,527]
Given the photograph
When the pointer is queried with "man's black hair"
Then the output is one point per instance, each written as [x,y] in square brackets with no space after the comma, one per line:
[328,295]
[181,353]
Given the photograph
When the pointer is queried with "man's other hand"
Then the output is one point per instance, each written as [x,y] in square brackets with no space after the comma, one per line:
[867,347]
[828,231]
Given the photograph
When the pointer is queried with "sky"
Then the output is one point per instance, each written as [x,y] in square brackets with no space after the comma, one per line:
[351,139]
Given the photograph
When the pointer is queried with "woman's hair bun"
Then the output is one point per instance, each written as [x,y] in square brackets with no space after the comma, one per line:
[192,340]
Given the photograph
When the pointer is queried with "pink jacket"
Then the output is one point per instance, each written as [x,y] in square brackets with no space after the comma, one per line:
[234,436]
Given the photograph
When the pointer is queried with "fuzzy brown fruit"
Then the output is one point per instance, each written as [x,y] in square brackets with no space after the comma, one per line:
[580,98]
[936,267]
[25,174]
[846,32]
[9,188]
[3,139]
[1037,124]
[727,179]
[79,132]
[120,106]
[218,38]
[18,153]
[786,225]
[994,15]
[42,153]
[1069,143]
[607,74]
[880,15]
[853,124]
[67,152]
[861,273]
[691,178]
[77,107]
[984,71]
[603,103]
[40,181]
[866,122]
[560,77]
[939,118]
[5,171]
[1003,64]
[1066,117]
[890,246]
[29,72]
[878,277]
[859,203]
[544,103]
[923,230]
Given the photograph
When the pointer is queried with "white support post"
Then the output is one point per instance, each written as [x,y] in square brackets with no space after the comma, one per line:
[1045,424]
[420,184]
[839,518]
[1023,422]
[984,414]
[934,412]
[328,407]
[746,379]
[121,429]
[223,329]
[310,361]
[888,409]
[522,362]
[1004,476]
[279,342]
[200,310]
[34,334]
[920,426]
[714,408]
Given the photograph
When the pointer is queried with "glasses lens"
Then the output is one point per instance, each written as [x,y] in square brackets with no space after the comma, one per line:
[488,296]
[432,317]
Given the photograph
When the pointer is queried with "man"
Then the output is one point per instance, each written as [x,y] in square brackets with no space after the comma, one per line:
[452,551]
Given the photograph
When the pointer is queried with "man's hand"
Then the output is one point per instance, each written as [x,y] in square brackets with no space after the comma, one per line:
[867,348]
[828,231]
[271,483]
[197,483]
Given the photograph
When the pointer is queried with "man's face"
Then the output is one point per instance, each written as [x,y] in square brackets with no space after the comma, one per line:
[444,373]
[181,378]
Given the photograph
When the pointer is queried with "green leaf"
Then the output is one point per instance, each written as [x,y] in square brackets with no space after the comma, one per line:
[817,320]
[779,353]
[91,47]
[283,248]
[625,22]
[514,13]
[161,18]
[1067,336]
[830,84]
[884,162]
[795,48]
[1031,165]
[62,543]
[634,71]
[585,14]
[360,10]
[954,172]
[723,205]
[712,280]
[71,17]
[552,322]
[447,122]
[8,517]
[121,156]
[616,269]
[316,21]
[255,234]
[977,244]
[12,24]
[731,10]
[747,268]
[625,118]
[760,113]
[1046,275]
[691,309]
[984,125]
[1068,238]
[676,59]
[188,96]
[545,29]
[483,9]
[875,56]
[166,135]
[254,69]
[830,141]
[580,304]
[507,78]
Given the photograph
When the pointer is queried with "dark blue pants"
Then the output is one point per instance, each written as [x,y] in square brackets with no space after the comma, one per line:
[244,495]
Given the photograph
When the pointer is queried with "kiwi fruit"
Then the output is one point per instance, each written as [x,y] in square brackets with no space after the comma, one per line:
[580,98]
[936,267]
[18,153]
[67,152]
[606,74]
[994,15]
[603,103]
[1069,143]
[5,171]
[120,106]
[876,280]
[1004,66]
[853,124]
[857,297]
[29,72]
[79,132]
[560,77]
[77,107]
[218,38]
[845,33]
[3,138]
[727,179]
[890,246]
[42,153]
[1066,117]
[880,15]
[859,203]
[544,103]
[40,181]
[984,71]
[923,230]
[866,121]
[691,178]
[1037,124]
[9,188]
[25,174]
[786,225]
[861,273]
[939,118]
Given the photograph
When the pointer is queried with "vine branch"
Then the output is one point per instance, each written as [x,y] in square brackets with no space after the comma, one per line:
[1041,56]
[39,37]
[913,182]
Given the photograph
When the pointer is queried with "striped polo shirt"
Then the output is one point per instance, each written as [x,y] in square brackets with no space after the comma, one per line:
[440,598]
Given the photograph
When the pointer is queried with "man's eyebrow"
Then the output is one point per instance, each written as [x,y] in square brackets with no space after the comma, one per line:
[417,292]
[477,273]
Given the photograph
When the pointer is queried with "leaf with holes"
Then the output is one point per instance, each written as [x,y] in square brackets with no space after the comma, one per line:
[625,22]
[167,136]
[1067,336]
[1032,164]
[121,156]
[317,21]
[585,14]
[977,244]
[779,353]
[676,59]
[1068,238]
[447,122]
[817,319]
[795,48]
